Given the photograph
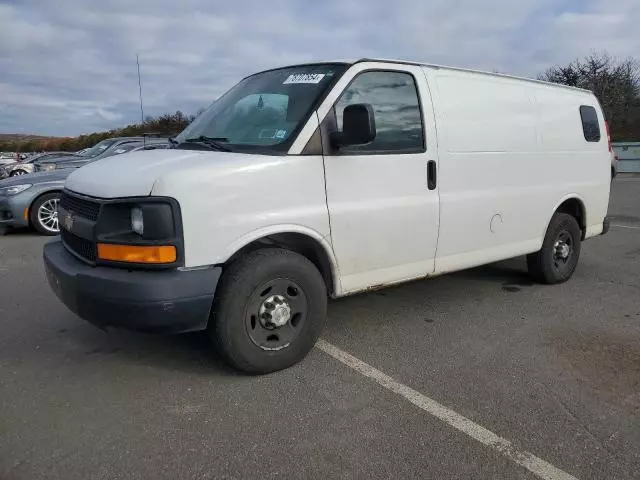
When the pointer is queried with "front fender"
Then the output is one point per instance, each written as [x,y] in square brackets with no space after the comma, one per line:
[261,233]
[233,199]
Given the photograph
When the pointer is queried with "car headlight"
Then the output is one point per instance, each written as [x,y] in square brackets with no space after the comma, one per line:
[137,221]
[48,167]
[14,189]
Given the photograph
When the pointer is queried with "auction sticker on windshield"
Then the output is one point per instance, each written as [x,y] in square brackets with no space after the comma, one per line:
[304,78]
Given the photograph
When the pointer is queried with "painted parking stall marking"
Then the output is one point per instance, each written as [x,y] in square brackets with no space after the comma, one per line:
[535,465]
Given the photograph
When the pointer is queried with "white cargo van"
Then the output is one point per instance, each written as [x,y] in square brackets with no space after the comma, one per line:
[324,180]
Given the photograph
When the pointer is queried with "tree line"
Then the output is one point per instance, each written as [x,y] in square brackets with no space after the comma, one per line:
[167,124]
[616,84]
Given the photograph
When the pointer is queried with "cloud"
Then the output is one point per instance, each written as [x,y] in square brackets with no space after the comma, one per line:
[68,67]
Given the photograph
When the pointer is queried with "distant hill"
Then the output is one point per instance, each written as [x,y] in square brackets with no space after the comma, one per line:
[20,137]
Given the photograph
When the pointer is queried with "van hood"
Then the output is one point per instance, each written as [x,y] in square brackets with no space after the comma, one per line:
[134,174]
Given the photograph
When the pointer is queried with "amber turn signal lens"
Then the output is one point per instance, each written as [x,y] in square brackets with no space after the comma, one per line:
[137,254]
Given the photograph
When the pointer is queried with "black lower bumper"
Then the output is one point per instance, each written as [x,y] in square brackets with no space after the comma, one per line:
[606,225]
[159,301]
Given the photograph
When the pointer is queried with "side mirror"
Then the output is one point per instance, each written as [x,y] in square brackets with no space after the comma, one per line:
[358,126]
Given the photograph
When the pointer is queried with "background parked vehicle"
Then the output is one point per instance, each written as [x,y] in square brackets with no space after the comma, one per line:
[27,166]
[120,146]
[32,201]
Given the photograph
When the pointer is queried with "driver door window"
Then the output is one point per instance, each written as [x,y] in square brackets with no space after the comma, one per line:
[394,98]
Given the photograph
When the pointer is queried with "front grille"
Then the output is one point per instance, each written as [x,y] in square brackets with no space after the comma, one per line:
[80,206]
[80,246]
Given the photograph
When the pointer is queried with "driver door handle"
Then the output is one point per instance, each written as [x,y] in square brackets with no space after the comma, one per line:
[432,175]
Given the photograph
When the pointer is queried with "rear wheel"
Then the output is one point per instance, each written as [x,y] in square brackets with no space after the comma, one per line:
[44,214]
[269,310]
[15,173]
[558,258]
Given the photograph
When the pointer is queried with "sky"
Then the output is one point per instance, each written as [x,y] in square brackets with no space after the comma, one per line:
[68,67]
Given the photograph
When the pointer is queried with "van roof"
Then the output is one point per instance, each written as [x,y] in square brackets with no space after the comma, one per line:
[444,67]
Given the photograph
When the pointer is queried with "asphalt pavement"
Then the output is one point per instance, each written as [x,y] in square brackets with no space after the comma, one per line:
[554,370]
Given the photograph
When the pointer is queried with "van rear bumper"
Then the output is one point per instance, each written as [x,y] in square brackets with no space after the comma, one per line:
[172,301]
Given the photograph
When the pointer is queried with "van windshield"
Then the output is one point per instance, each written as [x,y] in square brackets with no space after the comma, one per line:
[264,112]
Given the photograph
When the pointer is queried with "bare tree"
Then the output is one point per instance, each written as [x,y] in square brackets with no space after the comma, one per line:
[615,82]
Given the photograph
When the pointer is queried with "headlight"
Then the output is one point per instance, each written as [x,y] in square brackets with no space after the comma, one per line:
[137,221]
[47,167]
[14,190]
[140,231]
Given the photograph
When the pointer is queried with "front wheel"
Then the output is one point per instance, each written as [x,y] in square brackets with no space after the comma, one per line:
[44,214]
[15,173]
[558,258]
[269,310]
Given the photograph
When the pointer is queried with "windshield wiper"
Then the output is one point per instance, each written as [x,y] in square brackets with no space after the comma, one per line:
[211,142]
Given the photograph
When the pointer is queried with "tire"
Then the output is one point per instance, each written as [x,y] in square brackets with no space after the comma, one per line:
[16,173]
[262,283]
[43,215]
[554,264]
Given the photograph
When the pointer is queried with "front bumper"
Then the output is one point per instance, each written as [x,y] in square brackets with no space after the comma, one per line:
[12,211]
[159,301]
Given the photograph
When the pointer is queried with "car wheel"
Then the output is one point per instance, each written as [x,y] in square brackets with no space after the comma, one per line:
[270,309]
[558,258]
[44,214]
[15,173]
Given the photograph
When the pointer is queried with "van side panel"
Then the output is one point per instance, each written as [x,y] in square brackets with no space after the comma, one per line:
[584,166]
[505,163]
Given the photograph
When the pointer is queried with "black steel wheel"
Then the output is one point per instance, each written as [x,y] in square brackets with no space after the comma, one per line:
[276,314]
[558,258]
[270,309]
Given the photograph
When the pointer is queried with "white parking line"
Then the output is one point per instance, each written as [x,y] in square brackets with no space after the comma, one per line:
[529,461]
[624,226]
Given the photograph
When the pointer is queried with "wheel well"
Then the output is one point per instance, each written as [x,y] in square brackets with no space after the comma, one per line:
[575,208]
[299,243]
[36,199]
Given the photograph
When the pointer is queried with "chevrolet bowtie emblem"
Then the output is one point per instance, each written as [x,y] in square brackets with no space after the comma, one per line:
[68,221]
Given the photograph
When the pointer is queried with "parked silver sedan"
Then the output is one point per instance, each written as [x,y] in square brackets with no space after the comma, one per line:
[32,201]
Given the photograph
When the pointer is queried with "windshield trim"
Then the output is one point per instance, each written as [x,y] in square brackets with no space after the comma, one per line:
[281,148]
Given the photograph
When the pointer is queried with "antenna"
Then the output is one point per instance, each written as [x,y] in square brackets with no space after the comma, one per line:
[140,90]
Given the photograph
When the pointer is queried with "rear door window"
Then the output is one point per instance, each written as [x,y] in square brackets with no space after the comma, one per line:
[590,125]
